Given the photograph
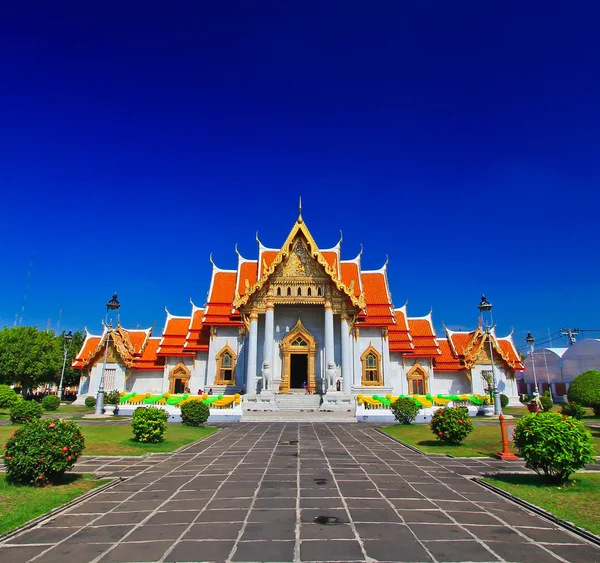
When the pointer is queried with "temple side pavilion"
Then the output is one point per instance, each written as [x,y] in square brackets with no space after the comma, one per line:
[298,317]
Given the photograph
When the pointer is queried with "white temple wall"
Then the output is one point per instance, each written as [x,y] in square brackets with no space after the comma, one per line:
[506,385]
[170,363]
[398,377]
[225,336]
[114,377]
[150,381]
[198,376]
[367,337]
[447,383]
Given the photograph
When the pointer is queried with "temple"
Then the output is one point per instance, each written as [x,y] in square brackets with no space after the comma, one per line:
[298,318]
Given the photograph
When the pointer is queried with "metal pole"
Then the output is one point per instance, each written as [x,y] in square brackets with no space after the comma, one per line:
[535,385]
[60,389]
[497,402]
[100,396]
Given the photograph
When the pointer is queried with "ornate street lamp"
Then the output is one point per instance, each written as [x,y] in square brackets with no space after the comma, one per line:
[112,305]
[486,307]
[530,340]
[68,336]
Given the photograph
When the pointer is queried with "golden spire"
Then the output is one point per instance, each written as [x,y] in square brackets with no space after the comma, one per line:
[300,210]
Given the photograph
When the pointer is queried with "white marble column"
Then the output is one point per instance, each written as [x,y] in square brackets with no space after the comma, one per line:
[329,350]
[252,354]
[269,326]
[346,375]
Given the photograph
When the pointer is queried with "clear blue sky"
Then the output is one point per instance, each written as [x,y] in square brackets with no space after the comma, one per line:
[461,139]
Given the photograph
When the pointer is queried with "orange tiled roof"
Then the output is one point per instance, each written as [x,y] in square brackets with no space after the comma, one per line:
[349,272]
[331,257]
[446,361]
[510,353]
[174,335]
[423,338]
[378,307]
[197,338]
[89,346]
[247,271]
[219,309]
[267,258]
[149,359]
[399,336]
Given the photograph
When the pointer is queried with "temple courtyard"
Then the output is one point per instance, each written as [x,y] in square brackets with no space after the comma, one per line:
[291,492]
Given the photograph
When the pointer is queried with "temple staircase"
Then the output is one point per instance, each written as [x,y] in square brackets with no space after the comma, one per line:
[298,402]
[296,407]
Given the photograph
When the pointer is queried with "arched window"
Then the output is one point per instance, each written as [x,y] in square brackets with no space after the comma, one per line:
[417,380]
[226,360]
[371,367]
[289,291]
[320,292]
[309,292]
[278,291]
[299,291]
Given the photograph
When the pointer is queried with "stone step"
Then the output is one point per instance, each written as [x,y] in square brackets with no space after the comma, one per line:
[298,402]
[297,416]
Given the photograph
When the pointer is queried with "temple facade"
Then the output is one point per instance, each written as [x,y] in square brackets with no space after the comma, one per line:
[298,318]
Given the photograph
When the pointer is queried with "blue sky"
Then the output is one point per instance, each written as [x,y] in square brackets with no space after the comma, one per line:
[462,140]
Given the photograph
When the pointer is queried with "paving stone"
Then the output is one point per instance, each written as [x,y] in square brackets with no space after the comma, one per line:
[276,551]
[342,550]
[102,534]
[392,551]
[73,553]
[273,515]
[114,518]
[321,503]
[309,514]
[439,532]
[222,515]
[43,535]
[531,553]
[475,518]
[495,533]
[173,517]
[210,531]
[424,516]
[398,532]
[138,552]
[269,531]
[275,503]
[551,535]
[20,554]
[218,503]
[447,551]
[374,515]
[312,531]
[576,553]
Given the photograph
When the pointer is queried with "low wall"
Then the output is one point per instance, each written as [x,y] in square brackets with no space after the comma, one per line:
[231,414]
[384,415]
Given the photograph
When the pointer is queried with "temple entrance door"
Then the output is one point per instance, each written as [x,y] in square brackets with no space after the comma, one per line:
[298,370]
[179,386]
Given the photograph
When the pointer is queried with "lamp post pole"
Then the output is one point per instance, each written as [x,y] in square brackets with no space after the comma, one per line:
[530,340]
[486,307]
[112,305]
[67,341]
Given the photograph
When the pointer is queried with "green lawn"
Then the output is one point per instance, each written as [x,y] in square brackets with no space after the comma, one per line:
[485,440]
[19,503]
[579,502]
[106,439]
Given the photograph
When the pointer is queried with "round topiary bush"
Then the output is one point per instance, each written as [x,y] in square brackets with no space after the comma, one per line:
[25,411]
[90,402]
[112,398]
[8,397]
[405,410]
[50,402]
[553,444]
[451,425]
[194,413]
[573,409]
[503,400]
[41,451]
[585,390]
[149,424]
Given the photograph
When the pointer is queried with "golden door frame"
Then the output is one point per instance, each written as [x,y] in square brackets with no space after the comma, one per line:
[180,371]
[288,348]
[418,372]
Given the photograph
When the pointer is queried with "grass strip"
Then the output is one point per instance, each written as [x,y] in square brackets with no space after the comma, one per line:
[21,503]
[578,502]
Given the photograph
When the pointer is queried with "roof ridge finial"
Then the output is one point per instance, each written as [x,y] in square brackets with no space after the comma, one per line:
[300,210]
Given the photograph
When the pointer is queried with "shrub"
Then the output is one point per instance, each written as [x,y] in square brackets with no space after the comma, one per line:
[25,411]
[50,402]
[525,398]
[41,451]
[585,390]
[503,400]
[573,409]
[194,413]
[553,444]
[8,397]
[405,410]
[451,425]
[112,398]
[546,400]
[149,424]
[90,402]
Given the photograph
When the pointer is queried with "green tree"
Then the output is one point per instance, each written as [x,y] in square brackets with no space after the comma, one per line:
[28,356]
[71,375]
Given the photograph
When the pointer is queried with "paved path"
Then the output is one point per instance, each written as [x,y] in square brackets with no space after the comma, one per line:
[242,495]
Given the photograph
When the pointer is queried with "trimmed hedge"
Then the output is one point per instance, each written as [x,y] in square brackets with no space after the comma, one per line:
[405,410]
[585,390]
[194,413]
[451,425]
[50,402]
[8,397]
[149,424]
[503,400]
[41,451]
[573,409]
[25,411]
[90,402]
[553,444]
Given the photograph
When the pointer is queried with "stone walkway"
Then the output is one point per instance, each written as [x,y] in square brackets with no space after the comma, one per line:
[245,495]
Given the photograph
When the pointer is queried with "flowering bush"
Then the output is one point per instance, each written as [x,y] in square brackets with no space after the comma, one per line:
[585,390]
[194,413]
[451,425]
[573,409]
[553,444]
[50,402]
[405,410]
[42,450]
[149,424]
[25,411]
[90,402]
[8,397]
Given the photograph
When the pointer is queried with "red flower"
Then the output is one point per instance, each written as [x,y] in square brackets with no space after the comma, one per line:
[441,433]
[41,477]
[69,458]
[53,447]
[41,459]
[65,449]
[460,421]
[52,425]
[8,458]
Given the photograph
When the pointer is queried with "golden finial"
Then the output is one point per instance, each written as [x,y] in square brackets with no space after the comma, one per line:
[300,210]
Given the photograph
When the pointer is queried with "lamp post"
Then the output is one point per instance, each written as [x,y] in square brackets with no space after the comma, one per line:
[486,307]
[67,341]
[112,305]
[530,340]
